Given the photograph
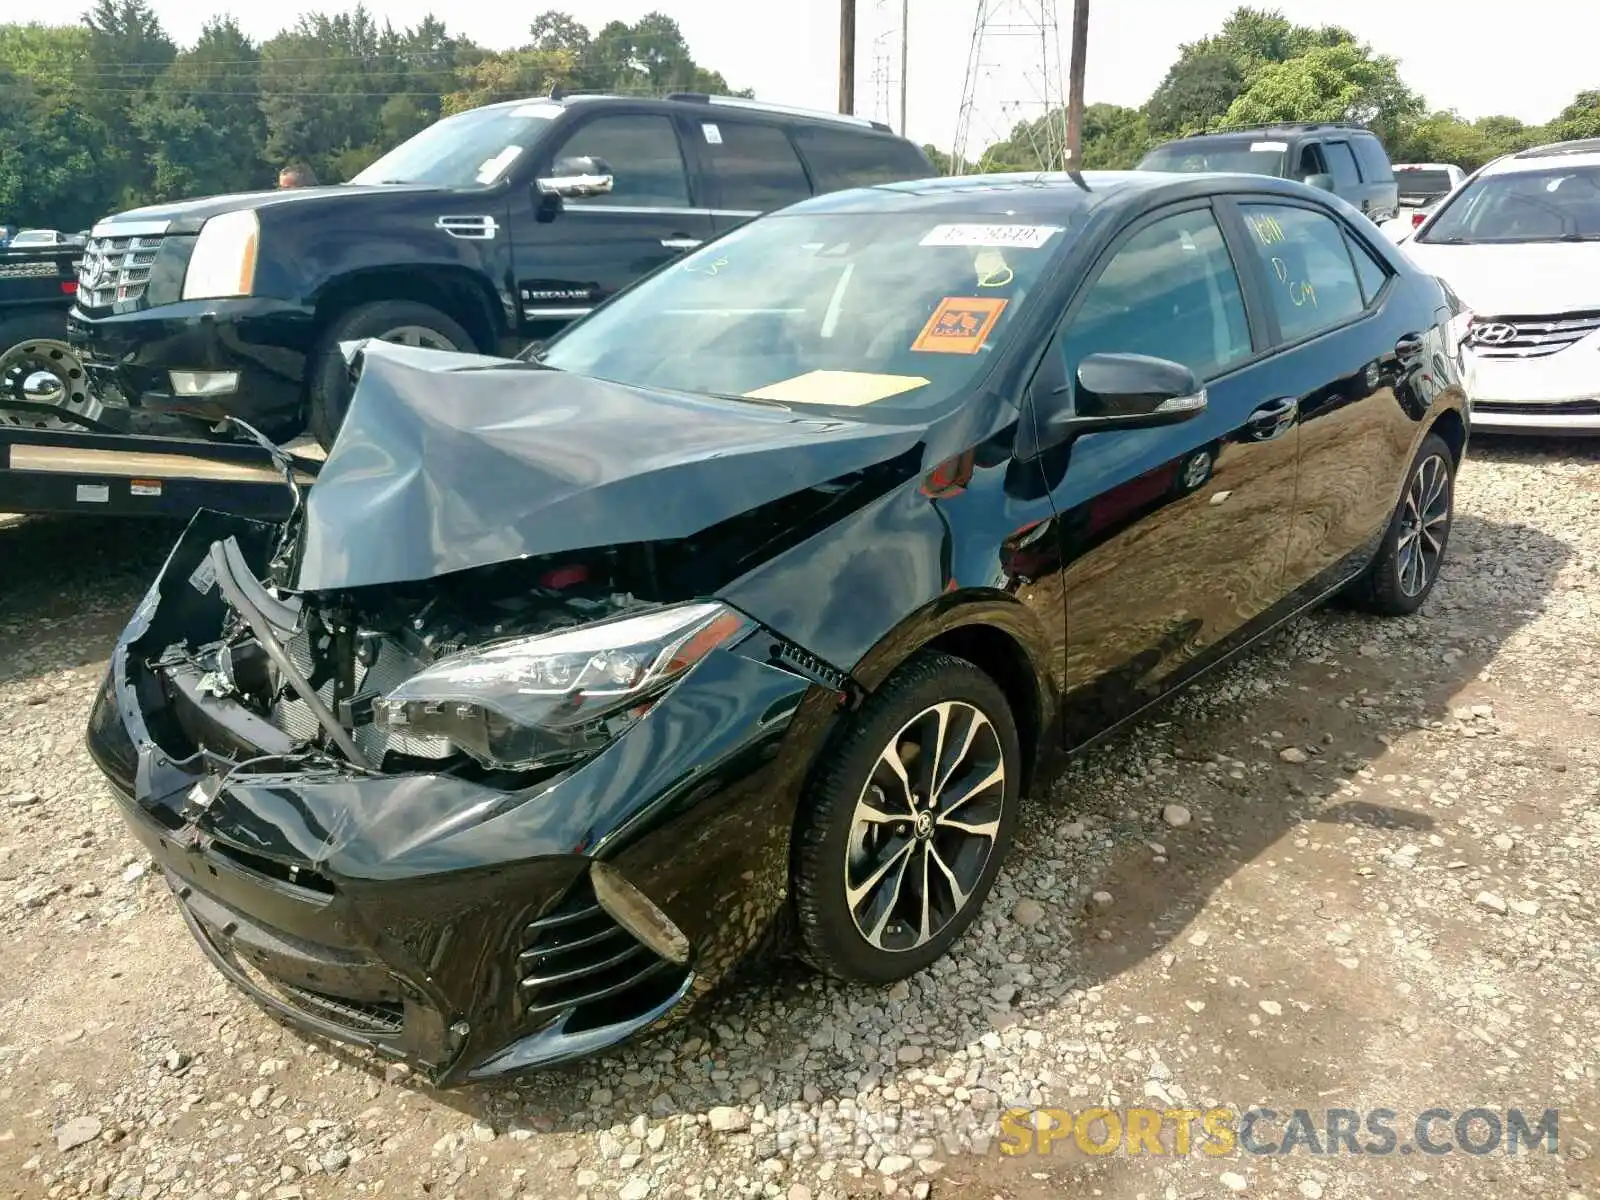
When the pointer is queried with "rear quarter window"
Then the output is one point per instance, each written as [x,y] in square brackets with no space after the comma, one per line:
[840,159]
[1374,161]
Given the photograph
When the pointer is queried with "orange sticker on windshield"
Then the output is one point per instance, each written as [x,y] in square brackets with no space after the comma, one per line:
[960,325]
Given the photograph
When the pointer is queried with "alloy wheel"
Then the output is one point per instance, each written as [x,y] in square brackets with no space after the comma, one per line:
[924,826]
[417,335]
[1424,521]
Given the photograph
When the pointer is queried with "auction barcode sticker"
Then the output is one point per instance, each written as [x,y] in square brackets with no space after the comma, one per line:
[1027,237]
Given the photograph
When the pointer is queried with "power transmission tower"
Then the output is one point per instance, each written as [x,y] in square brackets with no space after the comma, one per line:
[889,48]
[1014,79]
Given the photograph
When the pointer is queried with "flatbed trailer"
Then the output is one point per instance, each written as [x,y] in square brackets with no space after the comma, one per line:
[136,475]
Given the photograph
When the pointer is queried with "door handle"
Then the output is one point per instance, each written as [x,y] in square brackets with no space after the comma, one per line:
[1273,417]
[680,243]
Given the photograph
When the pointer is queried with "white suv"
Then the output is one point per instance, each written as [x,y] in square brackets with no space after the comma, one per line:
[1519,243]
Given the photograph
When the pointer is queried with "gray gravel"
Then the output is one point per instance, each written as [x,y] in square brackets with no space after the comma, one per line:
[1357,869]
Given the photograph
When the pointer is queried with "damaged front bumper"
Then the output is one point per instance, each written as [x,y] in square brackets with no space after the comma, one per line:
[435,918]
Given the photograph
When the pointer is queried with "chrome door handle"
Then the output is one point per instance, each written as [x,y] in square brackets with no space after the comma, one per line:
[680,243]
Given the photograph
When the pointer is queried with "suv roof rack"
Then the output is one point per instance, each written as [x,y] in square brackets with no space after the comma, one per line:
[782,109]
[1278,127]
[1589,145]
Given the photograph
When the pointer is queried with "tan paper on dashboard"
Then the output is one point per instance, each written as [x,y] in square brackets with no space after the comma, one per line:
[850,389]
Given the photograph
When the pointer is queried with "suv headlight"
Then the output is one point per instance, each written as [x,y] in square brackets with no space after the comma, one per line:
[555,697]
[224,259]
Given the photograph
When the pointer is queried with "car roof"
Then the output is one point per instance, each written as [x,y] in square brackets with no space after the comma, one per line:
[1285,130]
[1426,167]
[1044,194]
[702,103]
[1580,152]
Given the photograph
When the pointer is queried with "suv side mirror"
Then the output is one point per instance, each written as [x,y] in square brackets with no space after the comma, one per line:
[1114,391]
[1325,182]
[573,177]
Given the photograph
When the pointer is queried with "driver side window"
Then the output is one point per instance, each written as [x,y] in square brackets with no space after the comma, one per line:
[1170,292]
[644,156]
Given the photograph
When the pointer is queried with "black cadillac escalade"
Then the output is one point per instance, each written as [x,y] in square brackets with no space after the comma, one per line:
[486,230]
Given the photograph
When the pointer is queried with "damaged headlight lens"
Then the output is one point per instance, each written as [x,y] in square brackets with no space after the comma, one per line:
[544,700]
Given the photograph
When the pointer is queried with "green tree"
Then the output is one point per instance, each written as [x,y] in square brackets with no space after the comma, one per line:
[202,120]
[128,52]
[1341,82]
[1580,119]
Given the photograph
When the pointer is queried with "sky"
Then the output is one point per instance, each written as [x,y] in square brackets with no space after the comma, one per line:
[1479,57]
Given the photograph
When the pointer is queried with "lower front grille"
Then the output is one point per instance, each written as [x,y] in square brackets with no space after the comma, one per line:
[578,958]
[1564,408]
[365,1017]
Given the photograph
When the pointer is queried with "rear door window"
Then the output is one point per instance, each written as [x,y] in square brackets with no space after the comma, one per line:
[840,159]
[1309,274]
[1342,165]
[754,167]
[1374,162]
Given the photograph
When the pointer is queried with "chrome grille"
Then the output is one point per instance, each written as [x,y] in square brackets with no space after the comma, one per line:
[578,957]
[1533,337]
[116,269]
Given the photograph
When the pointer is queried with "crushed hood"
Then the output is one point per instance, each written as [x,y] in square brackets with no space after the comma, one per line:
[447,462]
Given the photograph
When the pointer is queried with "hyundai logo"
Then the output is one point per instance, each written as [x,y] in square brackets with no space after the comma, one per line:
[1495,333]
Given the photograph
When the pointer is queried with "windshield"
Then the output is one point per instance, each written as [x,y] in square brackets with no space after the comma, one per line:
[1234,156]
[1557,205]
[1421,185]
[471,149]
[893,311]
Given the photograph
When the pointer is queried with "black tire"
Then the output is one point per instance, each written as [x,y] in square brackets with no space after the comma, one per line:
[1392,586]
[329,390]
[830,934]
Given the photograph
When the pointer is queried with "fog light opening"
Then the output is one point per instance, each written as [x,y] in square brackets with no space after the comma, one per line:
[204,383]
[638,914]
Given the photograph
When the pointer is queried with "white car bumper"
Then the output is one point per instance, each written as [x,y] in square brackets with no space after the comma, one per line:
[1555,393]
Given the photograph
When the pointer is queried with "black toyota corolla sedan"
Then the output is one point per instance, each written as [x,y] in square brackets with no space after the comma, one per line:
[748,608]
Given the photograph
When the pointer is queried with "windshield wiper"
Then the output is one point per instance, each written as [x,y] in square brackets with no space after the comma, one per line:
[1578,237]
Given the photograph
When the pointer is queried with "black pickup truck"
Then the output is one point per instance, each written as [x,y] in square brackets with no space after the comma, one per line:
[37,284]
[483,232]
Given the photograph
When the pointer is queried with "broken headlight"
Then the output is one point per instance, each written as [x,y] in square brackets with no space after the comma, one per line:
[540,701]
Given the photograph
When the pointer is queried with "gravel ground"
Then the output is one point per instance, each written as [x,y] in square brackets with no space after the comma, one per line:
[1359,870]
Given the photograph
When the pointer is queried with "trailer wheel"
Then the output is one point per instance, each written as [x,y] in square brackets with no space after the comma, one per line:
[39,343]
[403,321]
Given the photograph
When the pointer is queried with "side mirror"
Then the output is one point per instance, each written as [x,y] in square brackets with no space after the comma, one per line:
[1113,391]
[1325,182]
[574,177]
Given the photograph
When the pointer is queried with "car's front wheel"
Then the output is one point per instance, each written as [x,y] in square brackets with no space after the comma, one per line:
[907,823]
[1408,562]
[402,321]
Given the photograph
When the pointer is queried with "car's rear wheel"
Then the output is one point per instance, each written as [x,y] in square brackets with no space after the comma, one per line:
[404,321]
[1408,562]
[907,823]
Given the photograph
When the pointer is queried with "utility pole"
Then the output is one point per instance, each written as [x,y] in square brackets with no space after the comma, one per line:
[847,56]
[905,56]
[1080,46]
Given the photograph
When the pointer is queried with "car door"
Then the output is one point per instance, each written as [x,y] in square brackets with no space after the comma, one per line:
[1173,538]
[570,255]
[751,168]
[1342,348]
[1377,177]
[1347,184]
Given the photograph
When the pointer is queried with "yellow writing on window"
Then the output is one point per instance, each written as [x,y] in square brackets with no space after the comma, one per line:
[1300,291]
[1266,229]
